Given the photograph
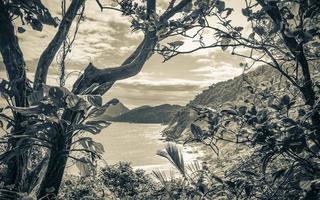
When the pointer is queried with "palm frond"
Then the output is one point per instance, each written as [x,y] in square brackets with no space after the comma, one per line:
[194,168]
[175,156]
[161,176]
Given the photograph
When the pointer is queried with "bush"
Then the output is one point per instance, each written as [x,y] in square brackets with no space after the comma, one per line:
[127,183]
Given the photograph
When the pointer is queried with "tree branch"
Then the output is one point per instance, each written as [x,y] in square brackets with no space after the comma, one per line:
[49,53]
[130,67]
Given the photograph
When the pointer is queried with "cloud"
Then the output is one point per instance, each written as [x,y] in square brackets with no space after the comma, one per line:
[157,82]
[220,72]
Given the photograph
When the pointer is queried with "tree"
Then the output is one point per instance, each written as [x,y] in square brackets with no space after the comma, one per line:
[47,120]
[283,125]
[282,34]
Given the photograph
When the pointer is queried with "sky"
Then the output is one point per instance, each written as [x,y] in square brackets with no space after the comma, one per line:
[105,39]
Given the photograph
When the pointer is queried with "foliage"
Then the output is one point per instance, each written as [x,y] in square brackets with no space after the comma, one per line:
[33,12]
[83,187]
[280,119]
[127,183]
[277,126]
[46,122]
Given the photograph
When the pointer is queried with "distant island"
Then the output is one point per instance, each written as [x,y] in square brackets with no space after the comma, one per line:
[145,114]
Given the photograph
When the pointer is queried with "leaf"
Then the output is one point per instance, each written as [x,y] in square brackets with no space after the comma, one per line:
[307,37]
[225,42]
[35,97]
[161,176]
[218,179]
[259,30]
[239,28]
[176,44]
[72,100]
[265,161]
[248,190]
[97,111]
[289,121]
[36,24]
[230,184]
[98,147]
[99,123]
[173,154]
[220,5]
[81,105]
[246,11]
[285,100]
[229,11]
[84,142]
[196,131]
[305,185]
[95,100]
[84,165]
[58,92]
[88,128]
[243,110]
[229,112]
[251,36]
[250,173]
[276,175]
[21,29]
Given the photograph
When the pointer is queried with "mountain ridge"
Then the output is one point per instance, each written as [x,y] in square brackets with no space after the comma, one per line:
[229,91]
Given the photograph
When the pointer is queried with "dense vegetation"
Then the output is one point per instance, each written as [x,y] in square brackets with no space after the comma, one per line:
[230,91]
[43,125]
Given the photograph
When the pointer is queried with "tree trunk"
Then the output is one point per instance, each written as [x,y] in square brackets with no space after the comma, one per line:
[15,67]
[51,182]
[50,185]
[308,92]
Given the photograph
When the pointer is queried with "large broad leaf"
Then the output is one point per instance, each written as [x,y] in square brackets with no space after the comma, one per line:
[58,92]
[88,128]
[42,108]
[99,123]
[91,145]
[97,111]
[35,97]
[72,100]
[94,100]
[84,165]
[98,147]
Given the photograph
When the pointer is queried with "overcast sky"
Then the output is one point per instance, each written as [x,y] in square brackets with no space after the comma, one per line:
[105,39]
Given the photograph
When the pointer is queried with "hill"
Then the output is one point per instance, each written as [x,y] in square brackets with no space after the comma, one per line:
[148,114]
[114,111]
[217,94]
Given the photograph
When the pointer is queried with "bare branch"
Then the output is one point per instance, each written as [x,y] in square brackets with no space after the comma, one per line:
[49,53]
[132,65]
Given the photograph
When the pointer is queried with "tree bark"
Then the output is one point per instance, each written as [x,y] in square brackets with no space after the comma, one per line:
[15,67]
[51,182]
[129,68]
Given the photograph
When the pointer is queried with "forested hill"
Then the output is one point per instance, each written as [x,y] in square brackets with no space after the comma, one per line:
[217,94]
[147,114]
[114,111]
